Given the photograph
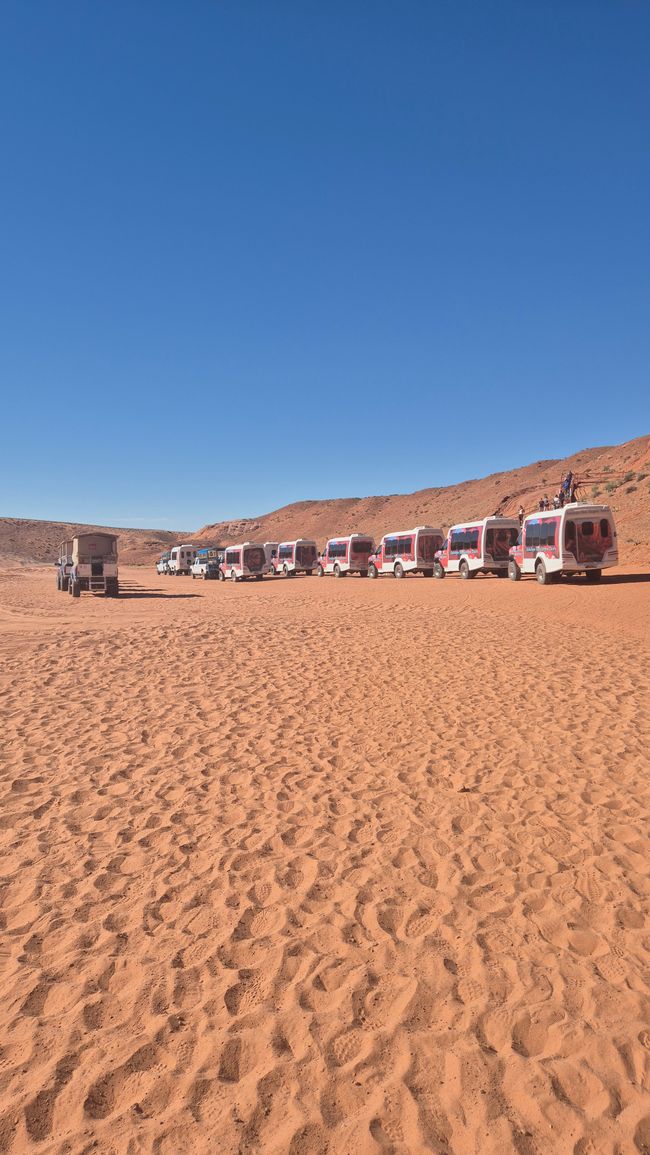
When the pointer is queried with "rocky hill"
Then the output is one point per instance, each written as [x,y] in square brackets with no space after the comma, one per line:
[618,475]
[22,539]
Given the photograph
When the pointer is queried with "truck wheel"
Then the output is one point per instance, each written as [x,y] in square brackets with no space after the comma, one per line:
[337,571]
[372,571]
[75,589]
[514,573]
[320,572]
[593,575]
[542,575]
[285,571]
[398,570]
[464,570]
[233,576]
[438,570]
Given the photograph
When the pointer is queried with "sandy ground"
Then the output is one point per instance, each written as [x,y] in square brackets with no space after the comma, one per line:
[317,866]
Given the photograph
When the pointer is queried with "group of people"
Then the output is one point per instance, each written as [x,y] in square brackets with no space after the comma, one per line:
[564,496]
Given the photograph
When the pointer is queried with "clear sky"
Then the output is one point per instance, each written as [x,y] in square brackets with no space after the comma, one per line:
[256,251]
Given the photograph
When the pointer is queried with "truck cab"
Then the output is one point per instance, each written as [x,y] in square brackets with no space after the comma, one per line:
[207,562]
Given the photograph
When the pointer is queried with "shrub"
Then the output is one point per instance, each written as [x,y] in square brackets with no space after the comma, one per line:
[641,476]
[595,492]
[610,487]
[607,469]
[631,489]
[629,476]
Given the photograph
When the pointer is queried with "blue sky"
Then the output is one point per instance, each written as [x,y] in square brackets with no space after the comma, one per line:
[259,251]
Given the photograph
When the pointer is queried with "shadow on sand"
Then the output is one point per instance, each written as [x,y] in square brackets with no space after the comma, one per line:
[141,592]
[623,579]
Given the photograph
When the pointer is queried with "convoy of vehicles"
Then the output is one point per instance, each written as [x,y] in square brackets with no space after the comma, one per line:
[207,563]
[477,547]
[300,556]
[247,560]
[406,551]
[578,538]
[344,555]
[88,562]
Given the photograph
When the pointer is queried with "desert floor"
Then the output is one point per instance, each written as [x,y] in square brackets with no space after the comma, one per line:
[324,866]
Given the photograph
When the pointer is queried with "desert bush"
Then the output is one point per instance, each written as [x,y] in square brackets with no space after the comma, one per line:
[629,476]
[595,491]
[607,469]
[630,489]
[610,487]
[641,476]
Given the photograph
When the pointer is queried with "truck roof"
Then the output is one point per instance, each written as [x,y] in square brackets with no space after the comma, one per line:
[574,507]
[505,522]
[415,529]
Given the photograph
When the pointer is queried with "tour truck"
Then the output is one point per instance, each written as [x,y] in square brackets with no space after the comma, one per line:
[207,562]
[406,551]
[246,560]
[162,565]
[344,555]
[180,560]
[578,538]
[300,556]
[63,565]
[94,565]
[477,547]
[270,553]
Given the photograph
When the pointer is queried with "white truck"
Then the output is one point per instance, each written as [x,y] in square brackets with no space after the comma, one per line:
[181,558]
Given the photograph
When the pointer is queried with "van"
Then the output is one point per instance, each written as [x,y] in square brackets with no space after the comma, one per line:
[343,555]
[180,559]
[162,565]
[94,565]
[406,551]
[578,538]
[247,560]
[477,547]
[300,556]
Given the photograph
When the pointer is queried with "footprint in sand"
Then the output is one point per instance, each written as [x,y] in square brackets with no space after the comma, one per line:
[349,1046]
[422,921]
[611,969]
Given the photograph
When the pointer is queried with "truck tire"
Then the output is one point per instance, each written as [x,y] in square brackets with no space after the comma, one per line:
[438,570]
[337,572]
[398,570]
[542,574]
[372,571]
[320,572]
[75,589]
[514,573]
[593,576]
[465,572]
